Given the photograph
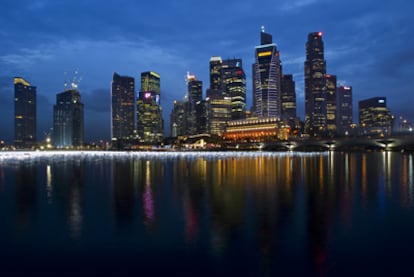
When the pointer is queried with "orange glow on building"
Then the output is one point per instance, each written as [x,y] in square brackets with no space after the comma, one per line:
[256,129]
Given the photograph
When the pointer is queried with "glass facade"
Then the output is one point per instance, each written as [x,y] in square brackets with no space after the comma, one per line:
[122,107]
[344,110]
[266,79]
[68,120]
[24,114]
[331,105]
[288,97]
[374,117]
[149,112]
[315,86]
[234,86]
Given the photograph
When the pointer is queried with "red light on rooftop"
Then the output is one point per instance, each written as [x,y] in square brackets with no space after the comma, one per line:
[320,34]
[328,75]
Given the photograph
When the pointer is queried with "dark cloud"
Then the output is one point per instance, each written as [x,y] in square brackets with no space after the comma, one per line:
[368,45]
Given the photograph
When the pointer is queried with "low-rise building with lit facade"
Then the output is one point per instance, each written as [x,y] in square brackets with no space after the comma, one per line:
[257,129]
[375,118]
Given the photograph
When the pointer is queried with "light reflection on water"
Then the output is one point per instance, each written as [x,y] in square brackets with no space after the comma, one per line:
[255,213]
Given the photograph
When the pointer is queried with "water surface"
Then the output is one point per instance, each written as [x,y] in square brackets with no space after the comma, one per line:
[205,214]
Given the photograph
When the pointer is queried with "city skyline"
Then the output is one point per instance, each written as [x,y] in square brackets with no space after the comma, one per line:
[367,46]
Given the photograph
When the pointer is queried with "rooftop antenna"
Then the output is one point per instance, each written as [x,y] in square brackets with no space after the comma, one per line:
[75,81]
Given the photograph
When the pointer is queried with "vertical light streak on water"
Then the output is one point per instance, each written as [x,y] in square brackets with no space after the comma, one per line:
[49,188]
[346,172]
[410,179]
[364,177]
[148,200]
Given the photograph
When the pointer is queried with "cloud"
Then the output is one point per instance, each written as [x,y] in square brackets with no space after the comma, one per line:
[294,5]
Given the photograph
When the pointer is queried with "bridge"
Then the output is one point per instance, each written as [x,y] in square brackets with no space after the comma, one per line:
[391,143]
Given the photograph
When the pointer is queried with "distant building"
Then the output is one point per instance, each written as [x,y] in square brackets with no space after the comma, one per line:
[149,111]
[24,114]
[218,113]
[68,119]
[344,110]
[331,108]
[315,86]
[122,107]
[375,118]
[178,119]
[194,97]
[288,98]
[234,86]
[215,77]
[266,78]
[194,89]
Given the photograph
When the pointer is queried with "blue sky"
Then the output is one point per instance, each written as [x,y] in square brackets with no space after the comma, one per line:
[368,45]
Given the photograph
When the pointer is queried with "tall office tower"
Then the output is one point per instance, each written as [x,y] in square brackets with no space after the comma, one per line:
[315,86]
[149,112]
[215,77]
[234,86]
[178,119]
[331,107]
[288,97]
[123,107]
[68,119]
[374,117]
[194,98]
[218,112]
[266,78]
[194,89]
[344,110]
[24,114]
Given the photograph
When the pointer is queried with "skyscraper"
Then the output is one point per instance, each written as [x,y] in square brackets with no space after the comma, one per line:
[178,119]
[374,117]
[68,119]
[122,107]
[150,123]
[24,113]
[266,78]
[288,97]
[215,76]
[331,105]
[344,110]
[194,98]
[315,86]
[233,81]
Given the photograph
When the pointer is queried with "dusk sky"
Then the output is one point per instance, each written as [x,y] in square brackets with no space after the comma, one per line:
[369,45]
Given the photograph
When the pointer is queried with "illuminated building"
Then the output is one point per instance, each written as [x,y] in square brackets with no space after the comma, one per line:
[122,107]
[374,117]
[218,113]
[331,105]
[215,77]
[234,86]
[194,97]
[68,119]
[149,112]
[344,110]
[178,119]
[315,86]
[288,97]
[194,88]
[257,129]
[24,114]
[266,78]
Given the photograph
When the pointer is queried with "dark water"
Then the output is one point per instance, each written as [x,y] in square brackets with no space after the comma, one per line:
[321,214]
